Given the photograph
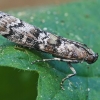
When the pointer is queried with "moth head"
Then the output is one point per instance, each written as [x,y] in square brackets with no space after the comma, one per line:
[92,58]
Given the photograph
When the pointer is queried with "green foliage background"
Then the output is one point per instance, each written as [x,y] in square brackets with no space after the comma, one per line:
[78,21]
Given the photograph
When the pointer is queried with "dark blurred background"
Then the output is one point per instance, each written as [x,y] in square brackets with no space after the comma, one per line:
[9,4]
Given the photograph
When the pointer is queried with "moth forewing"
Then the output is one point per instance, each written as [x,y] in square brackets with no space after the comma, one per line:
[30,36]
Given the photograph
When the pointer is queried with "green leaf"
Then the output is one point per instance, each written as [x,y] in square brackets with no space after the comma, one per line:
[77,21]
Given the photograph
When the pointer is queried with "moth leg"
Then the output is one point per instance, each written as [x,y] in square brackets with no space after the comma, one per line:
[55,59]
[68,76]
[69,61]
[44,60]
[19,47]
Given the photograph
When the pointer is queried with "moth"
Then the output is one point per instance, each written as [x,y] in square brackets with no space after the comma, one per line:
[62,49]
